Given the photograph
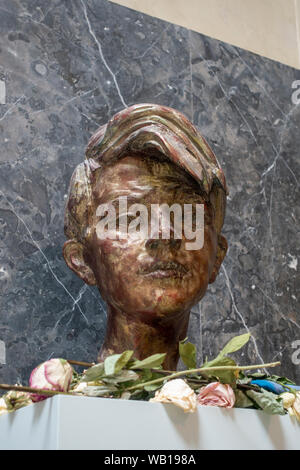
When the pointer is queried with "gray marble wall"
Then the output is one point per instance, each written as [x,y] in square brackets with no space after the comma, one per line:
[68,65]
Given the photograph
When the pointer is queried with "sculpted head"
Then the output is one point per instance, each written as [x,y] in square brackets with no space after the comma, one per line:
[147,155]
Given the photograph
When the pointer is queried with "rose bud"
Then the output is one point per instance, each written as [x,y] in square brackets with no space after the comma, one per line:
[179,393]
[15,400]
[55,374]
[216,394]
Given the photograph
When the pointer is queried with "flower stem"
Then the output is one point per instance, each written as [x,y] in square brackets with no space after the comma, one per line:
[202,369]
[39,391]
[81,363]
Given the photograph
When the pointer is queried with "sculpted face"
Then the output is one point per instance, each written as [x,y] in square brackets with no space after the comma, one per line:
[149,277]
[154,157]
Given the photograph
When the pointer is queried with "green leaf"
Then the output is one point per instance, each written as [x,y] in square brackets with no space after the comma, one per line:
[146,375]
[116,362]
[219,361]
[241,400]
[122,376]
[244,380]
[150,362]
[187,352]
[94,373]
[257,375]
[281,380]
[267,401]
[224,376]
[152,387]
[235,344]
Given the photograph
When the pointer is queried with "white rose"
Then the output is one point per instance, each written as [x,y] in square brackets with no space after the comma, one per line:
[291,402]
[287,400]
[179,393]
[296,406]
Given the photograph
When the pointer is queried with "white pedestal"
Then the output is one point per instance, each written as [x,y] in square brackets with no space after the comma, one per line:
[65,422]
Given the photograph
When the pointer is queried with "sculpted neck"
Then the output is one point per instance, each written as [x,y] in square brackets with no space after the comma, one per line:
[145,335]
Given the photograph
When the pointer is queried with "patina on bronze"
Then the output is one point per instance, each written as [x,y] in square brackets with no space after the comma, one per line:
[153,155]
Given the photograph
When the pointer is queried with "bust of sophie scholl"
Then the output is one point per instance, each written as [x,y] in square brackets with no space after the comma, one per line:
[148,174]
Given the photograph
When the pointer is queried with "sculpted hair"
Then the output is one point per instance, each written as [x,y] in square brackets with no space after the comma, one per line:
[148,130]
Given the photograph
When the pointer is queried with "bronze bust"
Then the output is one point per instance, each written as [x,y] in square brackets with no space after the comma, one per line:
[151,155]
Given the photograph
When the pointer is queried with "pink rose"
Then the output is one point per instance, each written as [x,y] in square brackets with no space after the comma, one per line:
[216,394]
[55,374]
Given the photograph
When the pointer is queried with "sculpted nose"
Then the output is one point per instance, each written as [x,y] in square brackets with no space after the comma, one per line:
[154,244]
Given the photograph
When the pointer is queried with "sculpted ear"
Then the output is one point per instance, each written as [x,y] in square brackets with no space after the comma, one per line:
[221,252]
[73,252]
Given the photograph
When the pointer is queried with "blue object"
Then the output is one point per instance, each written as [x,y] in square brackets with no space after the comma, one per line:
[274,386]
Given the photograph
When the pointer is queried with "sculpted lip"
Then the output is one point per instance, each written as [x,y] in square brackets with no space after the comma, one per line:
[163,269]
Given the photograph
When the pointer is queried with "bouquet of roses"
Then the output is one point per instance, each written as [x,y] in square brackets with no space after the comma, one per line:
[219,382]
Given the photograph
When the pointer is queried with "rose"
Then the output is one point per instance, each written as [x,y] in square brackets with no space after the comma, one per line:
[14,400]
[296,406]
[291,402]
[55,374]
[179,393]
[216,394]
